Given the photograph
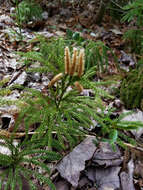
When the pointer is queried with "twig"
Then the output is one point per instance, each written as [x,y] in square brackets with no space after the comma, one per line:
[4,133]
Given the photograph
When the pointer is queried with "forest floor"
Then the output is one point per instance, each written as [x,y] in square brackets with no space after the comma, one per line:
[93,168]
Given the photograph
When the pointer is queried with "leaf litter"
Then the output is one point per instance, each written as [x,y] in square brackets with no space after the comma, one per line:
[72,164]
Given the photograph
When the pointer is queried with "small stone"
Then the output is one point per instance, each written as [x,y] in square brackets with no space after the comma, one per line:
[118,104]
[12,10]
[45,15]
[93,34]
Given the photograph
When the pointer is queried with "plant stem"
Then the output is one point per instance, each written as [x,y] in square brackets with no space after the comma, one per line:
[64,88]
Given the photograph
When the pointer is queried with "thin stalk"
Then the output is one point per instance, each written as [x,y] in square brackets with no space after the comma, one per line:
[64,88]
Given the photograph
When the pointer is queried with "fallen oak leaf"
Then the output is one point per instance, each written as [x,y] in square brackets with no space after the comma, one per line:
[72,164]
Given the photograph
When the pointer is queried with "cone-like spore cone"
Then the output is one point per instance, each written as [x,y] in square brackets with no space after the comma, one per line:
[55,79]
[67,61]
[81,63]
[78,86]
[74,62]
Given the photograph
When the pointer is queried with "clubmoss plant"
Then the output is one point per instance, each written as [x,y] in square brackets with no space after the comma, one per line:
[134,13]
[61,109]
[97,53]
[15,163]
[116,8]
[27,10]
[114,130]
[134,37]
[131,91]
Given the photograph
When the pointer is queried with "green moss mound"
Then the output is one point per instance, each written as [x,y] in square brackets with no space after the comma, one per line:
[131,91]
